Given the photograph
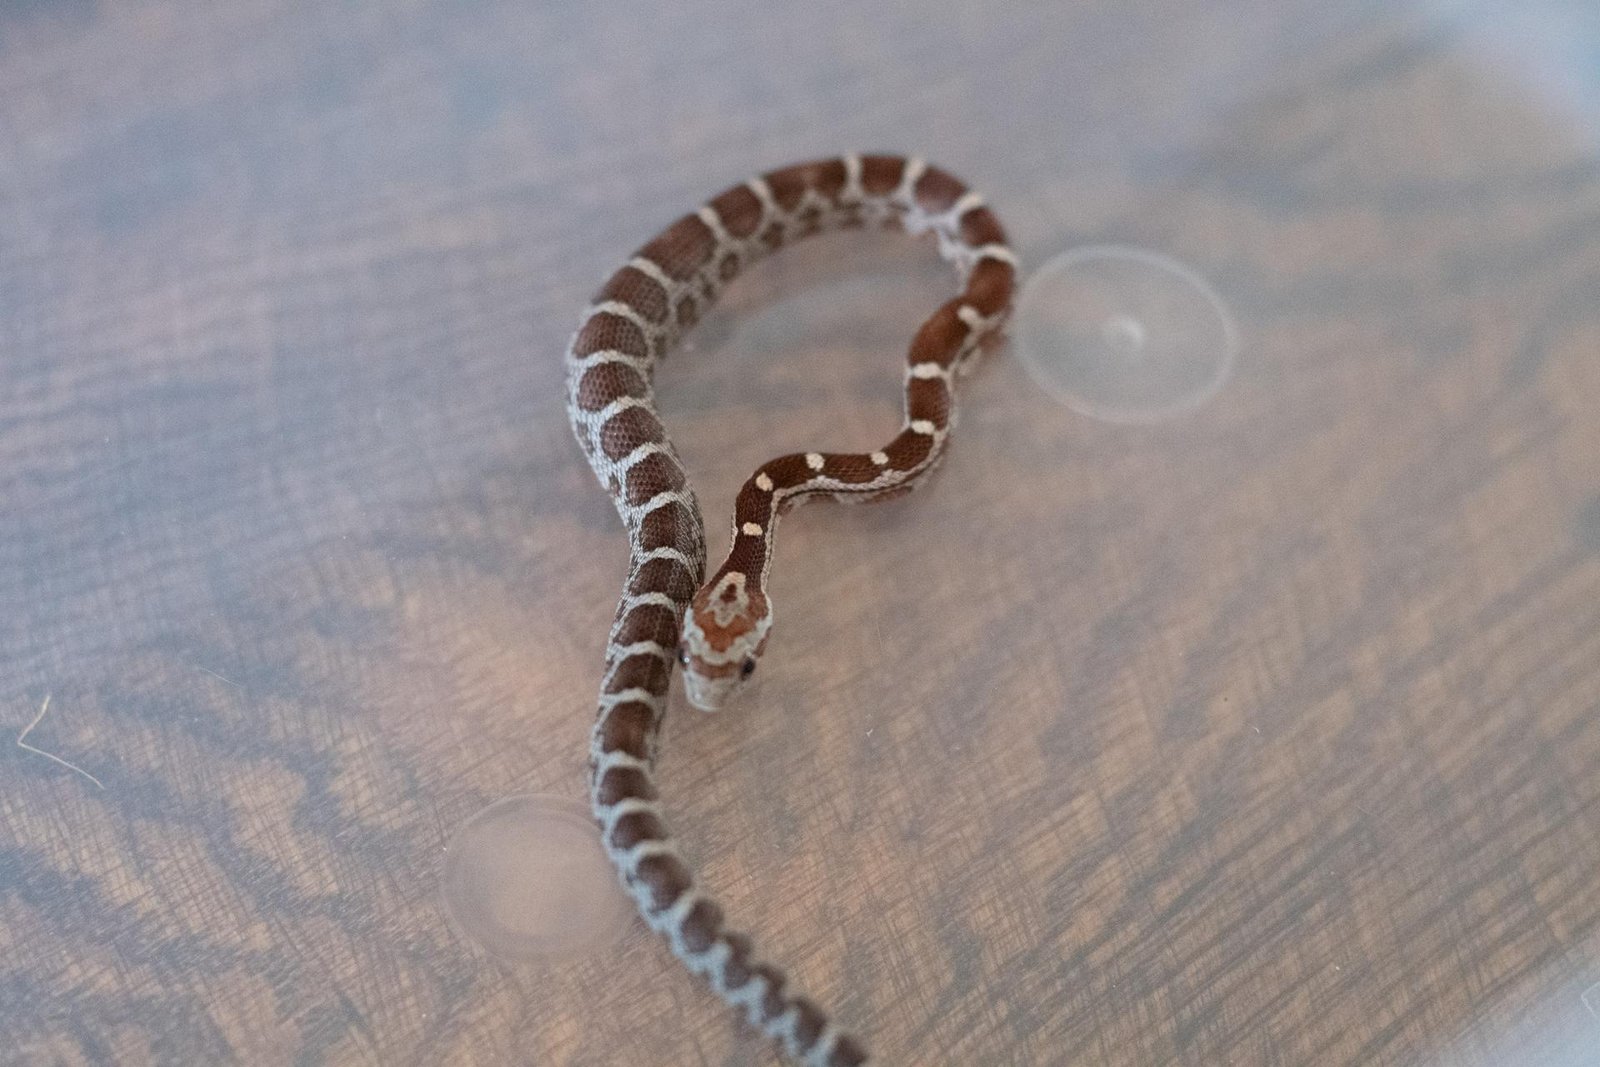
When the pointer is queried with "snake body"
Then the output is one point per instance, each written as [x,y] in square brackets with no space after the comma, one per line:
[718,628]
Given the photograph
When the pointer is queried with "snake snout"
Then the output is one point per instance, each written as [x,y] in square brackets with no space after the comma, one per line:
[707,694]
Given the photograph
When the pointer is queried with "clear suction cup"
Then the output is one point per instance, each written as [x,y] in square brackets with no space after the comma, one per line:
[1124,334]
[526,879]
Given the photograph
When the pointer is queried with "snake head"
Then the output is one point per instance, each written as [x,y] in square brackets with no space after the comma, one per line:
[724,633]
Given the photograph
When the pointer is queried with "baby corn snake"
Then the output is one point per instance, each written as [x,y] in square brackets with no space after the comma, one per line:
[717,628]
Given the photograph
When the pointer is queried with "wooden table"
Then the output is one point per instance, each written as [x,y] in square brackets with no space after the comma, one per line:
[1265,735]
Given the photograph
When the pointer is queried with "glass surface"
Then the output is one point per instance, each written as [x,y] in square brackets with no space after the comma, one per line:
[1265,732]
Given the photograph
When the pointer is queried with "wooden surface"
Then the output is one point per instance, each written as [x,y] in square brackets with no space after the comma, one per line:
[1268,735]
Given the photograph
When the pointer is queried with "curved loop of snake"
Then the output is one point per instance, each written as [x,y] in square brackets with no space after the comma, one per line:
[718,628]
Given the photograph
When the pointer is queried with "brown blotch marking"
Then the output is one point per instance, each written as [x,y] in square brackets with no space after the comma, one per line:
[701,926]
[620,783]
[638,290]
[788,186]
[682,248]
[627,728]
[880,175]
[827,177]
[772,997]
[606,330]
[847,1052]
[940,338]
[637,826]
[989,286]
[666,877]
[808,1022]
[665,576]
[754,504]
[605,382]
[787,471]
[980,227]
[736,972]
[627,430]
[908,449]
[739,209]
[853,469]
[728,269]
[653,474]
[747,556]
[688,311]
[667,527]
[938,190]
[927,398]
[650,622]
[640,671]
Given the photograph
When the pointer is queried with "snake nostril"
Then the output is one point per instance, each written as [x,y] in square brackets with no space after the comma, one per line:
[747,668]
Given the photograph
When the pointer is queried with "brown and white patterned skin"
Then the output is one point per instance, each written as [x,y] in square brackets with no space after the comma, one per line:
[718,628]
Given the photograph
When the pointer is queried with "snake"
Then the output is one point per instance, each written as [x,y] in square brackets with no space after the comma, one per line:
[716,629]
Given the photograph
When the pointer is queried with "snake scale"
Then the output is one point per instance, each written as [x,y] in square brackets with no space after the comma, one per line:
[717,629]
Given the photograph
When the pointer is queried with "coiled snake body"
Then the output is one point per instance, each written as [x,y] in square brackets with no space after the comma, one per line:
[718,628]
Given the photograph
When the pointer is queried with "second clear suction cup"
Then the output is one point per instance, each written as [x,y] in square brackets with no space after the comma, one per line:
[1124,334]
[527,880]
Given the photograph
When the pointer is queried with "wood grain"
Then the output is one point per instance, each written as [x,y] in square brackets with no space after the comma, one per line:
[1269,735]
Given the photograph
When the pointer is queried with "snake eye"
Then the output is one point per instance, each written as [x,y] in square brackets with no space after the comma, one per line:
[683,655]
[748,667]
